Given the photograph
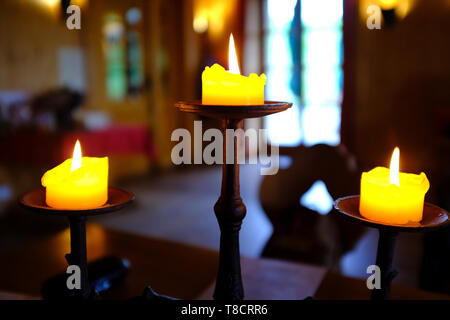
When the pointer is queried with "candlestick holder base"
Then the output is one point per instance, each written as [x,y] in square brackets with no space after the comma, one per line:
[237,112]
[230,209]
[433,218]
[149,295]
[117,199]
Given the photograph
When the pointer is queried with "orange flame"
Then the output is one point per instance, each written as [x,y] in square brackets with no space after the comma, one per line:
[76,158]
[394,176]
[233,65]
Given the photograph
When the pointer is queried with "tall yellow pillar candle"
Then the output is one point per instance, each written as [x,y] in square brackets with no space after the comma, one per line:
[392,197]
[221,87]
[79,183]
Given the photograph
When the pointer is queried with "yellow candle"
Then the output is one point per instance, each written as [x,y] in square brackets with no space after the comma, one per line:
[77,184]
[221,87]
[392,197]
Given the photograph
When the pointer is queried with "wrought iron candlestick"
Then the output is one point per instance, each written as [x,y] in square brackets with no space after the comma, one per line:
[78,253]
[117,199]
[230,209]
[433,218]
[385,256]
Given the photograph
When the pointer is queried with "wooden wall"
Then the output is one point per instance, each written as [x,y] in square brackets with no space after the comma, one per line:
[401,79]
[30,34]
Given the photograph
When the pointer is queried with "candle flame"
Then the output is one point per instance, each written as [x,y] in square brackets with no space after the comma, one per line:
[394,176]
[76,158]
[233,65]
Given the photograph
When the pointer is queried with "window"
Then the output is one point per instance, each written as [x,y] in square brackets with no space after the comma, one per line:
[303,63]
[134,51]
[114,53]
[123,54]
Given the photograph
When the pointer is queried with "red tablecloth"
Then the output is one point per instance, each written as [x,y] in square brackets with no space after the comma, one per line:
[45,148]
[117,140]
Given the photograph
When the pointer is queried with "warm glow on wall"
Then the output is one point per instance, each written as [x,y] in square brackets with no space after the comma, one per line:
[387,4]
[52,7]
[404,7]
[51,3]
[80,3]
[401,7]
[212,15]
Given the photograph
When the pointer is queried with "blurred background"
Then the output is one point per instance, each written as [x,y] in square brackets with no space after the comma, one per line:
[357,93]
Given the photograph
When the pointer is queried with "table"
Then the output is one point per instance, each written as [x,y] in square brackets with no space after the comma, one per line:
[179,270]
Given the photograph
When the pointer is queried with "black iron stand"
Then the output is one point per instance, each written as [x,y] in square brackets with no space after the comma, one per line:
[78,254]
[230,211]
[112,267]
[433,218]
[385,256]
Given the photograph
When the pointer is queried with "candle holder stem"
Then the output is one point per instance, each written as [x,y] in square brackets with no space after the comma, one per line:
[433,218]
[57,287]
[385,256]
[230,211]
[78,254]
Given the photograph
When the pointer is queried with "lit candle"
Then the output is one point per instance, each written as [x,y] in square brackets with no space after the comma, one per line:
[393,197]
[221,87]
[78,183]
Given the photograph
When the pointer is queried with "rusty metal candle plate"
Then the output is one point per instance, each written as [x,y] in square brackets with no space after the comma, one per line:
[117,199]
[233,112]
[433,217]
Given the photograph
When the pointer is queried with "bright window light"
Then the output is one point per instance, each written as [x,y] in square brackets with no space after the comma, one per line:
[313,83]
[321,86]
[321,47]
[321,124]
[323,13]
[280,13]
[317,198]
[283,127]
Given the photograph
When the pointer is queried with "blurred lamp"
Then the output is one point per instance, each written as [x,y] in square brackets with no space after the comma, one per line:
[51,3]
[200,24]
[212,15]
[388,4]
[392,10]
[80,3]
[51,7]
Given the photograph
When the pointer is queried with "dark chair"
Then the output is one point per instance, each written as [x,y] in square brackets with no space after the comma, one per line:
[301,234]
